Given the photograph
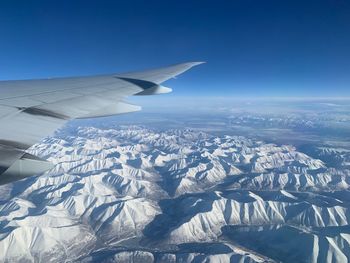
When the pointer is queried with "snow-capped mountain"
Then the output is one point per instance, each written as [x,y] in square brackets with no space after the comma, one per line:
[132,194]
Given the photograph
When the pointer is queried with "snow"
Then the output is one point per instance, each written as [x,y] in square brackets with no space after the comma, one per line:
[131,189]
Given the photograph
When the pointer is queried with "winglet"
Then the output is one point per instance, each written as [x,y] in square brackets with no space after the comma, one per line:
[159,75]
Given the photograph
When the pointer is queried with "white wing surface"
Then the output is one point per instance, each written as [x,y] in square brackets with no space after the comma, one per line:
[33,109]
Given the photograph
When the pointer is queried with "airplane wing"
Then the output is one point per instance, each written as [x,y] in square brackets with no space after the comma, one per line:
[33,109]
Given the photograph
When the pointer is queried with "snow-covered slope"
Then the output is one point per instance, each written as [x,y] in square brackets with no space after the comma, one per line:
[131,194]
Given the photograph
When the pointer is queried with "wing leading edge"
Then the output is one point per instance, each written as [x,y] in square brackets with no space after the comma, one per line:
[33,109]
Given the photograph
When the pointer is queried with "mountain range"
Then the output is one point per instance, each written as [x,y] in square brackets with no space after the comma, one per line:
[136,194]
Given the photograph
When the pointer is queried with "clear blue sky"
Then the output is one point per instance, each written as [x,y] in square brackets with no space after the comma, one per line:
[252,48]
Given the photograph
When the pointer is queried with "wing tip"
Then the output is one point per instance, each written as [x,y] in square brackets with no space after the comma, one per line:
[186,66]
[195,63]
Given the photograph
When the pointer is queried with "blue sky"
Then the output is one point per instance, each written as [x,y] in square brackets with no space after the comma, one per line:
[252,48]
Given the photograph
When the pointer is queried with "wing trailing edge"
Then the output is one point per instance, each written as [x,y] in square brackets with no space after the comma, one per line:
[113,109]
[26,166]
